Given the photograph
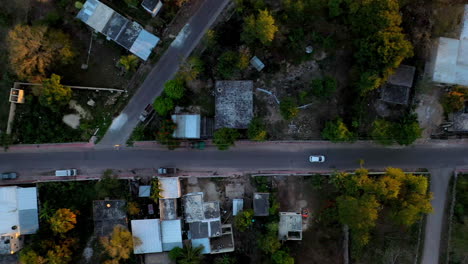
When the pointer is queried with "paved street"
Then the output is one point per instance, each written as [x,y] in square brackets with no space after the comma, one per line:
[243,157]
[164,70]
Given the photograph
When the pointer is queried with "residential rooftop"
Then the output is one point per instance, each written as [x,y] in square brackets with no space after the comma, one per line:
[290,226]
[107,214]
[261,204]
[170,187]
[234,104]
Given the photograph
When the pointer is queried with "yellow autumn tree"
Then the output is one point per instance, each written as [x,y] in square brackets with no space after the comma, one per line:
[261,28]
[120,243]
[62,221]
[34,49]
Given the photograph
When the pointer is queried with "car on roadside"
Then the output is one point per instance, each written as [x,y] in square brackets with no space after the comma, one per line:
[65,173]
[8,176]
[317,158]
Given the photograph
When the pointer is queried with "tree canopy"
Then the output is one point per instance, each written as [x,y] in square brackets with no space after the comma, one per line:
[52,94]
[288,108]
[120,244]
[34,50]
[256,130]
[187,254]
[225,137]
[163,105]
[336,131]
[129,62]
[261,28]
[243,220]
[175,88]
[62,221]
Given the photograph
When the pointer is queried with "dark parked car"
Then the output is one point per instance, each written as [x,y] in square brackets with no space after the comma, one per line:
[8,175]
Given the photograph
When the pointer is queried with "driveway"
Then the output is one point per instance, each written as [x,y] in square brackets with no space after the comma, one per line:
[167,66]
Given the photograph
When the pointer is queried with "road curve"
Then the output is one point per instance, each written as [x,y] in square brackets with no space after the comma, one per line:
[123,125]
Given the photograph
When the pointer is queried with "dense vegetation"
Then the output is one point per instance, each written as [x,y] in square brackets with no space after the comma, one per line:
[459,238]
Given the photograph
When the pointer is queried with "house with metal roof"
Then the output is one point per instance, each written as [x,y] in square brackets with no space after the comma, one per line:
[261,204]
[152,6]
[170,187]
[171,234]
[18,216]
[290,226]
[233,104]
[116,27]
[149,233]
[188,126]
[449,62]
[107,214]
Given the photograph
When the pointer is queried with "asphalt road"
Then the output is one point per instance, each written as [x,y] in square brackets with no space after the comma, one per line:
[241,158]
[164,70]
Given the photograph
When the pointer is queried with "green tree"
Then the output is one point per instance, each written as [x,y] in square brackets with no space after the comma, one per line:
[324,88]
[187,255]
[243,220]
[191,69]
[407,130]
[108,186]
[62,221]
[453,101]
[227,64]
[133,208]
[269,243]
[175,88]
[52,94]
[261,28]
[119,245]
[163,105]
[336,131]
[288,108]
[382,132]
[282,257]
[34,49]
[334,8]
[29,256]
[256,130]
[368,81]
[225,137]
[129,62]
[225,259]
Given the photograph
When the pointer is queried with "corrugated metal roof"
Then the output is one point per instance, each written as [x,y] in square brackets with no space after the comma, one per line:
[144,44]
[205,242]
[8,209]
[144,191]
[170,187]
[237,206]
[188,126]
[171,234]
[149,232]
[257,63]
[18,207]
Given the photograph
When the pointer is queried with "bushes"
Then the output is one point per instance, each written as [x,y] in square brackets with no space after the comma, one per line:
[288,108]
[404,132]
[163,105]
[243,220]
[164,134]
[336,131]
[52,94]
[257,130]
[225,137]
[324,88]
[453,101]
[227,64]
[175,88]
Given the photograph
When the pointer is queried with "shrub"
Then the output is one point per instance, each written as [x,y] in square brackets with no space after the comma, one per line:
[225,137]
[243,220]
[288,108]
[282,257]
[163,105]
[256,130]
[382,132]
[174,89]
[324,88]
[453,101]
[336,131]
[227,64]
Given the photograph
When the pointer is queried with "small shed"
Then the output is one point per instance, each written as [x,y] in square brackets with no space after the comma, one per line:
[152,6]
[237,206]
[261,204]
[257,63]
[290,226]
[170,187]
[188,126]
[171,234]
[144,191]
[234,104]
[398,87]
[149,232]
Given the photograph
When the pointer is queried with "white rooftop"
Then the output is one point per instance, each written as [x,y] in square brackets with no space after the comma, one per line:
[18,207]
[450,63]
[149,232]
[188,126]
[171,234]
[170,187]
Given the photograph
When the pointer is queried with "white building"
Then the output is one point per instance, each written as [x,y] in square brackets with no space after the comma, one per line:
[18,216]
[188,126]
[156,236]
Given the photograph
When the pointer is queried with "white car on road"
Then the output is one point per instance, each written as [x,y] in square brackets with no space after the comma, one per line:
[317,158]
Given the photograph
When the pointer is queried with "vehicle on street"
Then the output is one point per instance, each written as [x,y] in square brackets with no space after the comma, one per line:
[146,113]
[8,175]
[164,170]
[65,173]
[317,158]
